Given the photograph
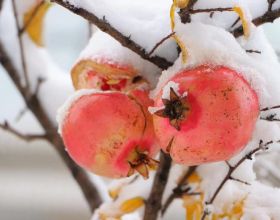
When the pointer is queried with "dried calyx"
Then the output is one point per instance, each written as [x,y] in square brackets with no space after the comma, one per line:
[140,162]
[175,108]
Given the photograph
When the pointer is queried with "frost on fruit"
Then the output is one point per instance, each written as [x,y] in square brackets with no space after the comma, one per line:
[213,122]
[115,136]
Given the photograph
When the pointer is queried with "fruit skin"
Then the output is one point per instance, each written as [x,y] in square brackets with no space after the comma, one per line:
[103,130]
[106,74]
[223,110]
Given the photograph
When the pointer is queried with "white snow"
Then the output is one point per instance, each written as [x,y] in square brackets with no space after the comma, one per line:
[112,51]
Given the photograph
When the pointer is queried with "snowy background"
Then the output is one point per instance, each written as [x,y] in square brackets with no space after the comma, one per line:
[34,183]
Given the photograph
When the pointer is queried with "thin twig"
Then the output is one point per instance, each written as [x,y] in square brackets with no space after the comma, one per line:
[153,204]
[262,146]
[235,22]
[209,10]
[161,42]
[253,51]
[126,41]
[26,137]
[270,118]
[89,190]
[177,191]
[270,108]
[33,15]
[20,42]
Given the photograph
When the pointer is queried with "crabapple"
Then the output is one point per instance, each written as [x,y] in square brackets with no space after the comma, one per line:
[106,75]
[111,133]
[210,118]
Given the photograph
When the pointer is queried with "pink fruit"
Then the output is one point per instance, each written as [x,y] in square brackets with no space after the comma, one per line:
[213,122]
[111,134]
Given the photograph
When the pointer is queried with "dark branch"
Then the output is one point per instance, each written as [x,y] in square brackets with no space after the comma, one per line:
[126,41]
[26,137]
[89,190]
[270,4]
[161,42]
[209,10]
[185,12]
[270,108]
[253,51]
[268,16]
[153,204]
[178,191]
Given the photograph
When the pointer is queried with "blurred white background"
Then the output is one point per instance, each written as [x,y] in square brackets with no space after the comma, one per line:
[34,183]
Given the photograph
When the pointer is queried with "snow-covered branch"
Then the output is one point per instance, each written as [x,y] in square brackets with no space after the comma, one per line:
[32,102]
[105,26]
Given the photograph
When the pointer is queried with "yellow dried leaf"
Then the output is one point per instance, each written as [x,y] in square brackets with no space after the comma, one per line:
[33,21]
[181,3]
[194,178]
[245,22]
[132,204]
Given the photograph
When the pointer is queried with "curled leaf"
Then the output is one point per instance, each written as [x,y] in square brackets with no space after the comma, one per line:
[33,22]
[131,205]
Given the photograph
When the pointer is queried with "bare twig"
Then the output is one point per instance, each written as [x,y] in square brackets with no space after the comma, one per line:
[33,15]
[20,42]
[235,22]
[126,41]
[89,190]
[178,191]
[262,146]
[209,10]
[161,42]
[253,51]
[26,137]
[271,117]
[153,204]
[270,4]
[270,108]
[268,16]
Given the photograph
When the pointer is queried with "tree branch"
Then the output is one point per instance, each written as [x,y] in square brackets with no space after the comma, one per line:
[153,204]
[89,190]
[126,41]
[268,16]
[178,191]
[32,137]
